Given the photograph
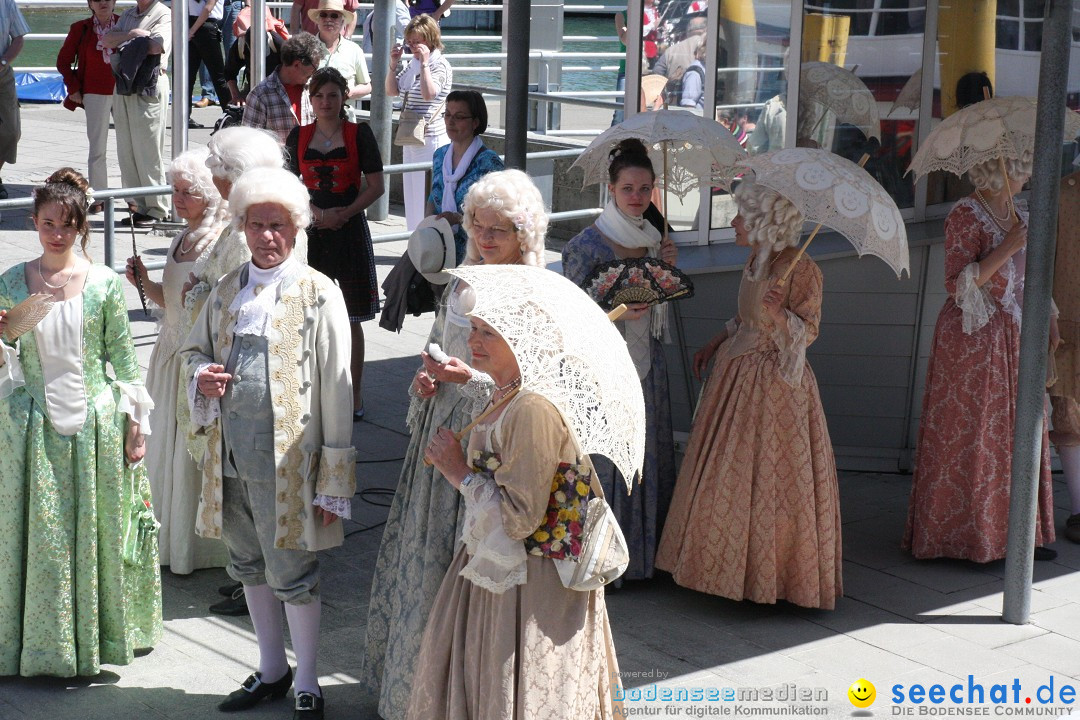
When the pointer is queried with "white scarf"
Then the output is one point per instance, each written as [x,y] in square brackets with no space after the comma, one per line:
[635,232]
[101,31]
[452,177]
[254,305]
[407,79]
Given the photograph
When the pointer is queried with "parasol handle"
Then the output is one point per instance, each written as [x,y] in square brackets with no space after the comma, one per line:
[617,312]
[1004,173]
[491,408]
[787,273]
[664,146]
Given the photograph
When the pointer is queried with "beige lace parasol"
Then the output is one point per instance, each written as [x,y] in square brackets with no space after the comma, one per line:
[841,92]
[569,352]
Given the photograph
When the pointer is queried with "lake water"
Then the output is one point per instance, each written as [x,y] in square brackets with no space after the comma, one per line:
[43,52]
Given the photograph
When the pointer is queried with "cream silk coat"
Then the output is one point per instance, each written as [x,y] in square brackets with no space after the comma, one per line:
[308,366]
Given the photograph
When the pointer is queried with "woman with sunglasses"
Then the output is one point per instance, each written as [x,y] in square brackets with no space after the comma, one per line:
[342,54]
[455,167]
[425,82]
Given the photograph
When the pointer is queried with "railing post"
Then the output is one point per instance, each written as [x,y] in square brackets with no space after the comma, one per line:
[181,83]
[257,51]
[382,107]
[542,88]
[110,231]
[516,22]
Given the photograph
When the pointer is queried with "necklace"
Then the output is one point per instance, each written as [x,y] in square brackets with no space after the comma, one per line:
[189,248]
[986,205]
[328,139]
[63,285]
[516,382]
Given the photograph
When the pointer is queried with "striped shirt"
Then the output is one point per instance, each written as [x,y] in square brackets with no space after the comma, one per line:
[12,24]
[157,20]
[443,77]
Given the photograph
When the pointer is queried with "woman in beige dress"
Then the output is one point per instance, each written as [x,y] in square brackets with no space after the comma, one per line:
[756,511]
[505,640]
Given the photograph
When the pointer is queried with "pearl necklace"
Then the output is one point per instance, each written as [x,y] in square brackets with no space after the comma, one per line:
[64,284]
[189,248]
[516,382]
[986,205]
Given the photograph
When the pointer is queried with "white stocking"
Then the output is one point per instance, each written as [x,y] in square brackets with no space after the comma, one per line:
[265,611]
[304,630]
[1070,466]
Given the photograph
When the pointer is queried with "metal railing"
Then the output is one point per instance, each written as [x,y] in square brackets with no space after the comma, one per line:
[109,221]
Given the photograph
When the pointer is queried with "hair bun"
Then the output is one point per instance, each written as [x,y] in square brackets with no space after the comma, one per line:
[69,176]
[630,147]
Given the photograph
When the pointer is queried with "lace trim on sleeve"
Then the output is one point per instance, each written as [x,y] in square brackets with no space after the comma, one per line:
[497,562]
[976,302]
[204,410]
[340,506]
[135,402]
[478,391]
[790,339]
[11,374]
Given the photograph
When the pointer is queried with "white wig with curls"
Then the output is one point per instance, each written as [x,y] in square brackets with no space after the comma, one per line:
[190,166]
[512,194]
[235,150]
[987,175]
[277,186]
[772,222]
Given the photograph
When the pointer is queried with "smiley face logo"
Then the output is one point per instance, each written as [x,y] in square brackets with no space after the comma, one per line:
[862,693]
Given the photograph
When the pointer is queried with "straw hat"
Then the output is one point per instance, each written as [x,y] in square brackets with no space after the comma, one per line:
[333,6]
[432,249]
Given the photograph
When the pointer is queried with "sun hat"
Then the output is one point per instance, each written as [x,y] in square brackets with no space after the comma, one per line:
[432,249]
[331,5]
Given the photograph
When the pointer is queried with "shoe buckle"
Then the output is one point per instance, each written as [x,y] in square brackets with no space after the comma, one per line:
[252,683]
[305,701]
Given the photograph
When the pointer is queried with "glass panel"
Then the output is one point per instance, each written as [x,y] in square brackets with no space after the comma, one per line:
[1033,9]
[1033,37]
[1008,35]
[1008,8]
[751,82]
[885,63]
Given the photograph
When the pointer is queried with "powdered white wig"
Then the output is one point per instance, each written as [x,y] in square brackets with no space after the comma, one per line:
[191,167]
[987,175]
[772,222]
[235,150]
[512,194]
[276,186]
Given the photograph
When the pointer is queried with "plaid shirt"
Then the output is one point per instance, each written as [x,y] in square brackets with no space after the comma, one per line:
[268,107]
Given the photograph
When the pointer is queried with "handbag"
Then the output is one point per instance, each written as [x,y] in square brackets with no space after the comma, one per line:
[140,525]
[604,555]
[411,126]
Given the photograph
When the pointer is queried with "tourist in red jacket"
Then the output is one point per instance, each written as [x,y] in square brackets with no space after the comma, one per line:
[84,63]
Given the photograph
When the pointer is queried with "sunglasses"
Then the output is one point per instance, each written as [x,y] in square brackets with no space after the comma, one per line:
[329,15]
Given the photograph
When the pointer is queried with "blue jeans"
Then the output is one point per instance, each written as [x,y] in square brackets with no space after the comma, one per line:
[230,9]
[620,85]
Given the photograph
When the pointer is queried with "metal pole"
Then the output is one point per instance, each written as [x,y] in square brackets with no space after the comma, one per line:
[1039,273]
[516,17]
[382,107]
[181,83]
[257,51]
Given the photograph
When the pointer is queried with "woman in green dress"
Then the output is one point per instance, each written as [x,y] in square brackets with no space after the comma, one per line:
[79,582]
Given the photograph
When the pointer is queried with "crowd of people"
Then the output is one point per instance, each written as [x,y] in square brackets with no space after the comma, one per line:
[245,420]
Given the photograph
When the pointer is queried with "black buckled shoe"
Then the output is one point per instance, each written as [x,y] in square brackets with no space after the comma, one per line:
[235,605]
[254,689]
[309,706]
[228,590]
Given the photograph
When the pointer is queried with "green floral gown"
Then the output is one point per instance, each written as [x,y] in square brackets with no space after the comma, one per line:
[69,602]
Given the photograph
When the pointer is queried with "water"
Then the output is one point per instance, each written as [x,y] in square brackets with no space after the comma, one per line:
[43,52]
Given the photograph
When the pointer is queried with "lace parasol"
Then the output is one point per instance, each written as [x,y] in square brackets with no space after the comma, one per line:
[910,96]
[842,92]
[1000,127]
[840,195]
[698,150]
[570,353]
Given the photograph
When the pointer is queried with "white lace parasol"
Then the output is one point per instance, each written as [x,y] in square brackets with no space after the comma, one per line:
[699,150]
[999,127]
[569,352]
[840,195]
[841,91]
[910,96]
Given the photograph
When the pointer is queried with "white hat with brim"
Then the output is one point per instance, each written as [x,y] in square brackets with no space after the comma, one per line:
[432,249]
[331,6]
